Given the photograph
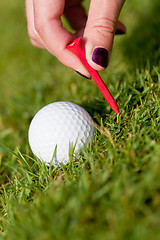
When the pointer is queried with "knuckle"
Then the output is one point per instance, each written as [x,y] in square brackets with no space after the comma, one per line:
[104,25]
[33,36]
[33,42]
[40,26]
[31,32]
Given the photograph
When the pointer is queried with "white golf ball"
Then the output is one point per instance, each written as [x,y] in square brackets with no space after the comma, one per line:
[57,127]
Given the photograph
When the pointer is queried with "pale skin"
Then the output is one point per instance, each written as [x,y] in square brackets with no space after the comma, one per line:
[46,30]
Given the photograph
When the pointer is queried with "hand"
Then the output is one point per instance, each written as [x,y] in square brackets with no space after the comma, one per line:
[46,30]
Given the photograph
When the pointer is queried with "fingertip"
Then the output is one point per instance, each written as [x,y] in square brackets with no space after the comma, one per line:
[121,28]
[72,61]
[82,75]
[100,56]
[97,56]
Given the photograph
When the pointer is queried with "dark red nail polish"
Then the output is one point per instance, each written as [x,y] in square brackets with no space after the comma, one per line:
[82,75]
[100,56]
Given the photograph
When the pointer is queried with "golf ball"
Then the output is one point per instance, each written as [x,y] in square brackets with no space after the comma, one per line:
[57,128]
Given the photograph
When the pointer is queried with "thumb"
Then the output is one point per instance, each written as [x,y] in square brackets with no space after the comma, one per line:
[100,30]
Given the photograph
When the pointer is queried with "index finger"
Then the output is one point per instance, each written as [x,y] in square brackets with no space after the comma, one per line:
[49,26]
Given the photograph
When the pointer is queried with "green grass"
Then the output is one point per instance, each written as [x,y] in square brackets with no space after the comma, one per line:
[109,192]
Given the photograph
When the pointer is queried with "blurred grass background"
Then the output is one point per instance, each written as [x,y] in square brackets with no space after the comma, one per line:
[110,193]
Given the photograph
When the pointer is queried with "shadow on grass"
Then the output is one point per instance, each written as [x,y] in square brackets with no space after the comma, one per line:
[97,109]
[143,44]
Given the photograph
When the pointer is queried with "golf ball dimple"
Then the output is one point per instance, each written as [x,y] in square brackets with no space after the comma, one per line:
[58,126]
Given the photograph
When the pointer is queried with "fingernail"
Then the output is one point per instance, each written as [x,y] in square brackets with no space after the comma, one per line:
[82,75]
[119,32]
[100,56]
